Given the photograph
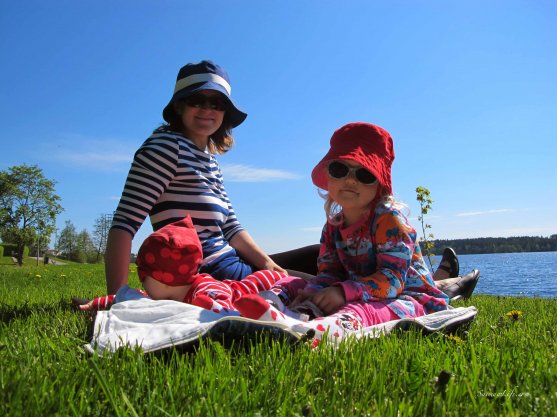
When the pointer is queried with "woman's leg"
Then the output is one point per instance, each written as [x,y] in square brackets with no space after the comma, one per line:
[448,267]
[299,260]
[228,266]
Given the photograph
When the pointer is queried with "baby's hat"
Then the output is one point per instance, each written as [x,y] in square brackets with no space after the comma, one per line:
[171,255]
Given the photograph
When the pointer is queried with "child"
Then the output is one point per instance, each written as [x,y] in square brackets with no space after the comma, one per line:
[167,264]
[370,268]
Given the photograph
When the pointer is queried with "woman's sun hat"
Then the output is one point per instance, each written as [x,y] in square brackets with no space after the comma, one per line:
[369,145]
[205,75]
[171,255]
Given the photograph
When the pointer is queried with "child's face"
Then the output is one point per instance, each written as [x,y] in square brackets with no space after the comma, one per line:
[351,194]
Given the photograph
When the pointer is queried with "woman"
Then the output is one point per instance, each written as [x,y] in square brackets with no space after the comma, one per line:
[174,173]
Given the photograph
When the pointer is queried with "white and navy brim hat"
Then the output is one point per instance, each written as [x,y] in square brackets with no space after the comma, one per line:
[204,75]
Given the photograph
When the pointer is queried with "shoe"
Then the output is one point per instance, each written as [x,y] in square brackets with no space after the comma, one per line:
[76,302]
[449,257]
[464,287]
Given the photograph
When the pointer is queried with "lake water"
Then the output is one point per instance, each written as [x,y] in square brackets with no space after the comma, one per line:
[530,274]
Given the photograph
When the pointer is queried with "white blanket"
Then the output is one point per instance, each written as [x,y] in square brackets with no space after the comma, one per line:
[154,325]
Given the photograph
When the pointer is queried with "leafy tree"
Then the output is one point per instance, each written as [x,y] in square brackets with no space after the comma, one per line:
[28,206]
[74,246]
[85,249]
[67,241]
[100,234]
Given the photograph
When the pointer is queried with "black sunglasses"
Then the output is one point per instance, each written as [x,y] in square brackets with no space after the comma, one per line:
[201,101]
[339,170]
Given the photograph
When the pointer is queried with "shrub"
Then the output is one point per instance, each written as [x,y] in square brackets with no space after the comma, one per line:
[10,249]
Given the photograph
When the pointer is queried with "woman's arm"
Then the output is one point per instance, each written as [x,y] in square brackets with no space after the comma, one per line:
[117,259]
[250,252]
[153,167]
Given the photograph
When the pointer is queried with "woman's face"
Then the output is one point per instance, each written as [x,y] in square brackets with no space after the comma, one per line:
[202,114]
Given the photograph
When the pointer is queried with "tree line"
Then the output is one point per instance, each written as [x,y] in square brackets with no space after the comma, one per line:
[83,246]
[497,244]
[29,206]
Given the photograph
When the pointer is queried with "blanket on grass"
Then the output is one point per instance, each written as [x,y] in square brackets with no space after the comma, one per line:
[157,325]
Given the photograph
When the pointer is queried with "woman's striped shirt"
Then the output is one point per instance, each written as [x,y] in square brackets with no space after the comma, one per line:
[171,177]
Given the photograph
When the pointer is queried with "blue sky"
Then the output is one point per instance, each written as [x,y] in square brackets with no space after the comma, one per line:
[466,88]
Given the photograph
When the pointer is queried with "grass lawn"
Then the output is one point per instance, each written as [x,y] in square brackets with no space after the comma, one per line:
[504,367]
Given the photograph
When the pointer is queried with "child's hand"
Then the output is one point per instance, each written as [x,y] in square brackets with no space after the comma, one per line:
[302,296]
[329,300]
[96,304]
[86,307]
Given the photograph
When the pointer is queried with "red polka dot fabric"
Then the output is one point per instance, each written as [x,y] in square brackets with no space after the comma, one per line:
[171,255]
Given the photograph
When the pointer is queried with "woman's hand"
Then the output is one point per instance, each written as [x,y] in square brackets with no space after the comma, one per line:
[250,252]
[272,266]
[329,300]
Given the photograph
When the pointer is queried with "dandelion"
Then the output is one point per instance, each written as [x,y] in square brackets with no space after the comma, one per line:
[514,314]
[455,339]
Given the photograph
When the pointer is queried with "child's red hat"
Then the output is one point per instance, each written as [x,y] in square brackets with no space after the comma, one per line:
[369,145]
[171,255]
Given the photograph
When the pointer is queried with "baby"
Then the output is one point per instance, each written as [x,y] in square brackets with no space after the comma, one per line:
[168,262]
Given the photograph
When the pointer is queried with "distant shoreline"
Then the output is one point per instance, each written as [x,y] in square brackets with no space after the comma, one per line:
[484,245]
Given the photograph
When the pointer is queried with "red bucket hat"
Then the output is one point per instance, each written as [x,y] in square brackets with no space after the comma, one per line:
[171,255]
[369,145]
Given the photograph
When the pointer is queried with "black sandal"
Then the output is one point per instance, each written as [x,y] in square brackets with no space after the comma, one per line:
[464,287]
[449,256]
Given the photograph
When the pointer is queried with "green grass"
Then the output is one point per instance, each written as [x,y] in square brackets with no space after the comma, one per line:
[32,261]
[503,367]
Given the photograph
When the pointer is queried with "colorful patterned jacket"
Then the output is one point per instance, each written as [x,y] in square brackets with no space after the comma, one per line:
[378,259]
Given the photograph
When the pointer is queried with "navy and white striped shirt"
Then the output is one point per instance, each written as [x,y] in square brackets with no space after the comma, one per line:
[171,177]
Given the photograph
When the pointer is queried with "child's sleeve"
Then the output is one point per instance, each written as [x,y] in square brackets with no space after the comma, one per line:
[103,303]
[395,241]
[329,268]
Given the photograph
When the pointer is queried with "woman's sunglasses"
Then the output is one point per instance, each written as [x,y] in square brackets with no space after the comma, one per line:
[200,101]
[339,170]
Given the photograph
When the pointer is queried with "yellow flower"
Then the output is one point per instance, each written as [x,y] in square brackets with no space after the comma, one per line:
[514,314]
[455,339]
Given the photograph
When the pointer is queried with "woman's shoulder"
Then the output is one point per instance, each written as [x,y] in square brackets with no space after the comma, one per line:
[165,138]
[161,143]
[163,134]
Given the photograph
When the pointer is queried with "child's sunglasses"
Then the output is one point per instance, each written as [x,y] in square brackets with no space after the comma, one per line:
[339,170]
[201,101]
